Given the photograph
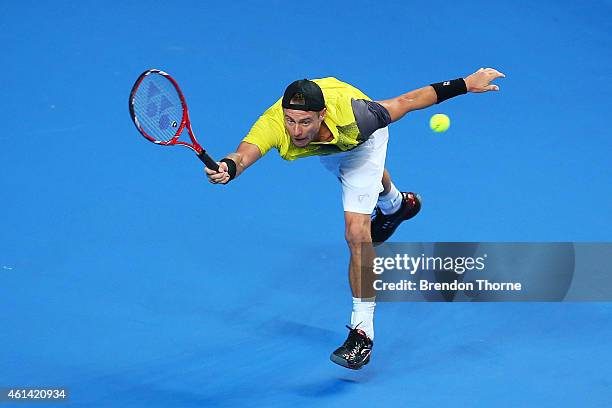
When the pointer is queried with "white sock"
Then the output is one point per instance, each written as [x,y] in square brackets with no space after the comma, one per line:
[390,202]
[363,315]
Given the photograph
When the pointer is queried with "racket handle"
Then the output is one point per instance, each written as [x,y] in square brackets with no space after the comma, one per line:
[208,161]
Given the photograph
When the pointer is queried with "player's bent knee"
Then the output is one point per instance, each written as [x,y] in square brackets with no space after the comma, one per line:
[357,233]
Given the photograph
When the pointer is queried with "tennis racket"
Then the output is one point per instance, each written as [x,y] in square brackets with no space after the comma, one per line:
[159,111]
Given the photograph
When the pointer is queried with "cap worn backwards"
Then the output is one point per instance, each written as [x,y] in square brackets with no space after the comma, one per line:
[306,95]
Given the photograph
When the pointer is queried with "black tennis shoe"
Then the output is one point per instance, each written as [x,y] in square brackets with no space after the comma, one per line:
[383,226]
[355,352]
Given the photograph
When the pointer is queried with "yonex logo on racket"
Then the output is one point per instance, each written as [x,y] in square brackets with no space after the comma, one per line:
[158,109]
[157,104]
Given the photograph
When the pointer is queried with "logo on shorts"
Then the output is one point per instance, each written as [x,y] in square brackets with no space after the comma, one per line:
[363,197]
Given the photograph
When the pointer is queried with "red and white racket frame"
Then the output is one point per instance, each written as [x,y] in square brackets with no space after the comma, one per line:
[185,122]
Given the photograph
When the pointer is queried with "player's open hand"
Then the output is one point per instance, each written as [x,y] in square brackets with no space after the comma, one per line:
[218,177]
[480,81]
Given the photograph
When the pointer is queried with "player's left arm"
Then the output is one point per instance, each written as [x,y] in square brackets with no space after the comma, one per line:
[479,81]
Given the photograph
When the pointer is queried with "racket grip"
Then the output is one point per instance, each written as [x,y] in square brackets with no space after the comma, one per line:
[208,161]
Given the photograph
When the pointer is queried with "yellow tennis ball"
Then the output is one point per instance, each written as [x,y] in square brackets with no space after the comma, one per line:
[439,122]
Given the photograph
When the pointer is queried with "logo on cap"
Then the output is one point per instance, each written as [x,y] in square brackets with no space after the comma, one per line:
[304,95]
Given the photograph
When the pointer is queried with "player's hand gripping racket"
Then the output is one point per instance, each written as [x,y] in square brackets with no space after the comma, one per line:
[159,111]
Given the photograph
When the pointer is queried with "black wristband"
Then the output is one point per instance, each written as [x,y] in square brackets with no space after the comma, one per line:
[448,89]
[231,167]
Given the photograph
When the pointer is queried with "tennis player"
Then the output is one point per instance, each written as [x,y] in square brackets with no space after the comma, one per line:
[349,131]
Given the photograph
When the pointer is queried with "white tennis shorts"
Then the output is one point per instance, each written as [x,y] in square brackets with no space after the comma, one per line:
[360,171]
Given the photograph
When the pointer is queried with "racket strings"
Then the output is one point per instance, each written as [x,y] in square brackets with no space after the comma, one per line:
[157,108]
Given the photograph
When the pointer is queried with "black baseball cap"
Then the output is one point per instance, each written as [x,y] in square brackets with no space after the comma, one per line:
[309,90]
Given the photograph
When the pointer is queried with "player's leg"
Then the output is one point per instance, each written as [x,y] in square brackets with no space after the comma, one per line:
[387,183]
[361,275]
[360,172]
[357,235]
[390,199]
[393,207]
[356,350]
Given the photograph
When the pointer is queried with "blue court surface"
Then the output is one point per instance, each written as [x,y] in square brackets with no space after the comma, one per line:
[130,280]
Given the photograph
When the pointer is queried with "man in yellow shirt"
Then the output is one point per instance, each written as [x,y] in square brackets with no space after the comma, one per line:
[332,119]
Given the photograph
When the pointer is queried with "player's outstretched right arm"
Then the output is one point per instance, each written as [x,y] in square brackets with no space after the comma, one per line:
[478,82]
[234,164]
